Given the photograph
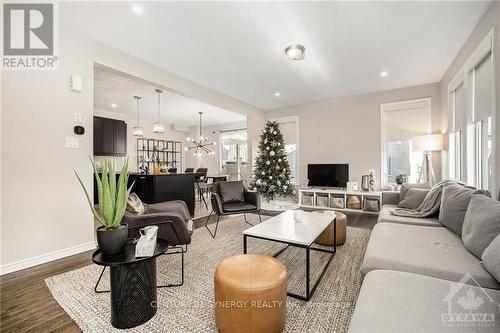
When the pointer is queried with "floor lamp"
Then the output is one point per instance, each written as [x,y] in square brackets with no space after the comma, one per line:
[427,144]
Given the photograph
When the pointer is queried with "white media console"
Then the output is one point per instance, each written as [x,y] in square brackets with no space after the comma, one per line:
[319,198]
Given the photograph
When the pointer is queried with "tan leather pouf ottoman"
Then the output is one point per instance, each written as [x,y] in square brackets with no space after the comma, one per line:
[250,294]
[326,237]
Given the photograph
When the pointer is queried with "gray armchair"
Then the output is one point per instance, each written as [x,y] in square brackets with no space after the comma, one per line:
[174,225]
[232,197]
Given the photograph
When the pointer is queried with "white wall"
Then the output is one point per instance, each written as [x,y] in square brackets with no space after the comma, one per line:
[147,124]
[490,20]
[44,213]
[347,129]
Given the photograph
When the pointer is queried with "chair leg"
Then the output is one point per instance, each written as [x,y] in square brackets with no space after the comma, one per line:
[182,251]
[260,218]
[245,216]
[216,225]
[99,280]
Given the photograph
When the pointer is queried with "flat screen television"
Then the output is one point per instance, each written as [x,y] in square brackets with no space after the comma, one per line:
[328,175]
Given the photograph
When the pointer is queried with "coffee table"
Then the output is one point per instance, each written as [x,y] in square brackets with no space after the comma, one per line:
[284,229]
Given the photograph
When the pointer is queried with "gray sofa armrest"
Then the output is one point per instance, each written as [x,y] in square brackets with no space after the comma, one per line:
[252,197]
[216,204]
[390,198]
[171,226]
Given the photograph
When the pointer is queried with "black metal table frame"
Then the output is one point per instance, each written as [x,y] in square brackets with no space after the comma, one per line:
[309,291]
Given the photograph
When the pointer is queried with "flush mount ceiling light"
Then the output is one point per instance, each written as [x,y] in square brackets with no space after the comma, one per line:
[138,130]
[295,52]
[137,9]
[200,145]
[158,127]
[384,73]
[113,105]
[277,94]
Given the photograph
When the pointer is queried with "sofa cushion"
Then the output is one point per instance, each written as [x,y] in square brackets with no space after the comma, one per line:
[435,252]
[454,203]
[392,301]
[481,224]
[413,198]
[386,216]
[237,207]
[406,187]
[491,258]
[231,191]
[134,204]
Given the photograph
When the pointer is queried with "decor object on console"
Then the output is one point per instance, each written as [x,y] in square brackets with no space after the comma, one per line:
[353,202]
[137,130]
[373,180]
[352,186]
[272,176]
[158,126]
[112,201]
[200,145]
[365,183]
[427,144]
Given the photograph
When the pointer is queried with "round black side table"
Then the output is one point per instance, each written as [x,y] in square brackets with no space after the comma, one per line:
[133,284]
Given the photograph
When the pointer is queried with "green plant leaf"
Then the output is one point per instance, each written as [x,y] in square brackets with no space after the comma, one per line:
[98,180]
[112,182]
[122,195]
[106,206]
[92,208]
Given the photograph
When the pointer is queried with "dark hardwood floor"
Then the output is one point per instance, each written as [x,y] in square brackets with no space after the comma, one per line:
[28,306]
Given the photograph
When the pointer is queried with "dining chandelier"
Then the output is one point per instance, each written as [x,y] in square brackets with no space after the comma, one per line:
[201,144]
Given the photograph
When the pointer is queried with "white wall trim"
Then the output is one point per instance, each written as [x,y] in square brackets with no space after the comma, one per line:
[44,258]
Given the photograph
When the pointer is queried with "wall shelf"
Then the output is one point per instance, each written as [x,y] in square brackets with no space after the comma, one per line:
[153,153]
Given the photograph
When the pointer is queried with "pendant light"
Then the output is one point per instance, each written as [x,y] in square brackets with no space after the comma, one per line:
[138,130]
[200,145]
[158,127]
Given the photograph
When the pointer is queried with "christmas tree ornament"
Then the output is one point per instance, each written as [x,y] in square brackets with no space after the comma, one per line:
[272,153]
[268,162]
[270,177]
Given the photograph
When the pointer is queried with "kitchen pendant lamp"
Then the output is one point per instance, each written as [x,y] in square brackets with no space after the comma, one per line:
[158,127]
[138,130]
[200,145]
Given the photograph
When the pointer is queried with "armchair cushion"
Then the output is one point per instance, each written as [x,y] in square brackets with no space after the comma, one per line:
[134,204]
[233,207]
[231,191]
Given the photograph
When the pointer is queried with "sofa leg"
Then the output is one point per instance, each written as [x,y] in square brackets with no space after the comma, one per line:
[216,225]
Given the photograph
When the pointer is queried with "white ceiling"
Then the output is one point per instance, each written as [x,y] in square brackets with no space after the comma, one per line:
[237,47]
[111,87]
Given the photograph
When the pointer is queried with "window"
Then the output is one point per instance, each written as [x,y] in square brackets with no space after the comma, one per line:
[484,152]
[400,122]
[456,149]
[233,147]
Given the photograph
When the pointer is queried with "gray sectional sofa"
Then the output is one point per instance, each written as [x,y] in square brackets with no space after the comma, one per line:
[419,276]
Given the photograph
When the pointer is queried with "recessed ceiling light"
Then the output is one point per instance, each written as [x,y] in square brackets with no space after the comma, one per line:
[295,52]
[113,105]
[137,9]
[384,73]
[277,94]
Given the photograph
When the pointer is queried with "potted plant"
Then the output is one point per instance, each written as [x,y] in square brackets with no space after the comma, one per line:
[112,196]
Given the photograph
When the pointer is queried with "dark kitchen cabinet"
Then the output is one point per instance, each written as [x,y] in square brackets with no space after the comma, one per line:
[110,137]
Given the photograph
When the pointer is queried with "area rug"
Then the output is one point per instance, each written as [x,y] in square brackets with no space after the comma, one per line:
[189,308]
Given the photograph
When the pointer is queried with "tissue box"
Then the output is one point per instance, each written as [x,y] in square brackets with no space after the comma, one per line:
[146,245]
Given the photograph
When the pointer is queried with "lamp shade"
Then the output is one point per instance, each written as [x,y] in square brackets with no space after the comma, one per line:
[428,142]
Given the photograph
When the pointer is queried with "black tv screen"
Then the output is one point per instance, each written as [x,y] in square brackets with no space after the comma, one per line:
[328,175]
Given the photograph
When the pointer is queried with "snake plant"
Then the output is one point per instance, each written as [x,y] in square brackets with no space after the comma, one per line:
[112,196]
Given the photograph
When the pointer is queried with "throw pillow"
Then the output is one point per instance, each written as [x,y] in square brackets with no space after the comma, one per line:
[481,223]
[491,258]
[231,191]
[454,203]
[134,204]
[413,198]
[406,187]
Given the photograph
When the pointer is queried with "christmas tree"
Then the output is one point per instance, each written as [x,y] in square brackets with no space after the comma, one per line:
[272,172]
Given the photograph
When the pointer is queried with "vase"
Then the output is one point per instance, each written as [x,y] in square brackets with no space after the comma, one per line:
[365,182]
[112,242]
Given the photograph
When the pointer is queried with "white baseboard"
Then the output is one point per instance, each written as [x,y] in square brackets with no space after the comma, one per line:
[44,258]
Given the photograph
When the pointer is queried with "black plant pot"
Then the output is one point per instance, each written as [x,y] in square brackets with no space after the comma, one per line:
[112,242]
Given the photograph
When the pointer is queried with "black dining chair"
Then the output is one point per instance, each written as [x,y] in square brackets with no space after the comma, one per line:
[172,170]
[200,179]
[189,170]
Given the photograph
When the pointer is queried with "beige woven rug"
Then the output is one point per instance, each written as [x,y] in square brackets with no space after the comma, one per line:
[189,308]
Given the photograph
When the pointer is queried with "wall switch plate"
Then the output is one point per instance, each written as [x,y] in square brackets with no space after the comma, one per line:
[76,83]
[72,142]
[77,117]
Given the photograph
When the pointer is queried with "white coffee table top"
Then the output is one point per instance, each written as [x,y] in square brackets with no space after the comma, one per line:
[283,227]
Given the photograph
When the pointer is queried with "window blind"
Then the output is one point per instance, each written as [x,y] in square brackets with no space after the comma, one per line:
[460,115]
[483,89]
